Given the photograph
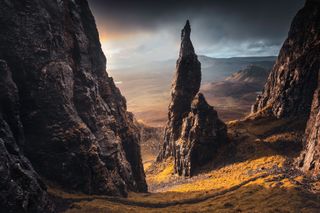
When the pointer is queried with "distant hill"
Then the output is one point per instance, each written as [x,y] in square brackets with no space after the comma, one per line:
[251,74]
[234,95]
[216,69]
[147,86]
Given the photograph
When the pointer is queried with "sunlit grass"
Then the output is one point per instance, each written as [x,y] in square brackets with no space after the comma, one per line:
[231,175]
[251,183]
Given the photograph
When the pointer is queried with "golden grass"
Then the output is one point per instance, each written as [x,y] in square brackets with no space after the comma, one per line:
[221,189]
[230,175]
[287,136]
[162,172]
[263,195]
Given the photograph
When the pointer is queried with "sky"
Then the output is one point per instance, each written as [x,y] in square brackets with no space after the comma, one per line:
[135,32]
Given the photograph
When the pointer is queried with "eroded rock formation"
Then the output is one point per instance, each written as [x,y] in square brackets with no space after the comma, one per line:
[291,84]
[185,86]
[292,88]
[193,131]
[21,189]
[78,133]
[202,134]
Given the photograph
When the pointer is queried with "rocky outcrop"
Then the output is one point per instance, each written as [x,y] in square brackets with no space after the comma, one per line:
[292,88]
[78,133]
[291,84]
[201,136]
[185,86]
[309,160]
[21,189]
[193,126]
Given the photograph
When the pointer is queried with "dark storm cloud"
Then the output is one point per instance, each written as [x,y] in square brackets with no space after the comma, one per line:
[220,28]
[234,19]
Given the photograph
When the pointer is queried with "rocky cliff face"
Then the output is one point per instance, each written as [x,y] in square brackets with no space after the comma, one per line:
[193,126]
[292,88]
[201,136]
[309,160]
[78,133]
[21,188]
[291,84]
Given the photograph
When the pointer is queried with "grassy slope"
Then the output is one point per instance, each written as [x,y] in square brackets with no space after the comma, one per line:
[249,175]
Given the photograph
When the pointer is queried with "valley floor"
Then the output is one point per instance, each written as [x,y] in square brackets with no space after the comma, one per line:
[251,174]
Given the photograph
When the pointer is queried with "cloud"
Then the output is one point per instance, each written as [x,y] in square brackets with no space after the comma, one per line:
[133,29]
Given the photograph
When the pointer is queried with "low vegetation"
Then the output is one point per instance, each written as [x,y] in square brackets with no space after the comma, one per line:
[252,174]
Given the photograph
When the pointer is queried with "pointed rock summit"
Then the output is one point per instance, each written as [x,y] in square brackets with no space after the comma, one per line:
[193,132]
[186,44]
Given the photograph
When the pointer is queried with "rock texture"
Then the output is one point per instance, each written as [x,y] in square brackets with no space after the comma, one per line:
[78,133]
[309,160]
[193,126]
[202,134]
[291,84]
[21,189]
[292,88]
[185,86]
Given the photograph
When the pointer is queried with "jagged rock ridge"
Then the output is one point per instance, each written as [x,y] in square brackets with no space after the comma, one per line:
[193,131]
[291,83]
[78,133]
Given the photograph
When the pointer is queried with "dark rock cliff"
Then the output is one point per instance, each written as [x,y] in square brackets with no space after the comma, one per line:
[309,160]
[193,131]
[293,87]
[292,82]
[21,189]
[77,131]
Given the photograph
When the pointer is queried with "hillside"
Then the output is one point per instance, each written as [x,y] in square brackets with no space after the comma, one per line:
[253,174]
[251,74]
[234,95]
